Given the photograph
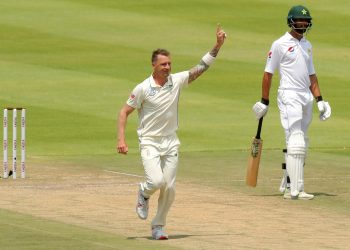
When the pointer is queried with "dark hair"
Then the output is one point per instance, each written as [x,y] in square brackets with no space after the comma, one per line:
[157,52]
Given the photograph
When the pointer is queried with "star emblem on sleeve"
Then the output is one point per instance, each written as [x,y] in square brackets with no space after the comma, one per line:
[304,12]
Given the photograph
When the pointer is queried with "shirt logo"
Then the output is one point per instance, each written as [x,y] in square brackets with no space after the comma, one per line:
[291,49]
[153,91]
[166,87]
[270,54]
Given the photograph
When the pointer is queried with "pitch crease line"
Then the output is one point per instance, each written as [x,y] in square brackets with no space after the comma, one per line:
[121,173]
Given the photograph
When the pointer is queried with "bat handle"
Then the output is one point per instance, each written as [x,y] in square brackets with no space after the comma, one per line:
[259,128]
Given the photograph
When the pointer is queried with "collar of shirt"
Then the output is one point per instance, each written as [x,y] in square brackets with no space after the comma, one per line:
[290,37]
[155,85]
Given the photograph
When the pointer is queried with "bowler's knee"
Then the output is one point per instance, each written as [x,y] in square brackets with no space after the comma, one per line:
[171,191]
[157,183]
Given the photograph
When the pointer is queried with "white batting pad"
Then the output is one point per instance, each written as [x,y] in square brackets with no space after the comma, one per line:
[295,161]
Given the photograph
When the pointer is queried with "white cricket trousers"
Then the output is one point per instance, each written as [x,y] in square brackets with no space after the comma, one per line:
[160,160]
[295,111]
[296,115]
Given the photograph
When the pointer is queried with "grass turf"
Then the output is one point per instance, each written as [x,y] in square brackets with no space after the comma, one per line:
[73,64]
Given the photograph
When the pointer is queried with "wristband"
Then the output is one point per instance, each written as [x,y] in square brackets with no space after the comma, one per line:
[319,98]
[208,59]
[265,101]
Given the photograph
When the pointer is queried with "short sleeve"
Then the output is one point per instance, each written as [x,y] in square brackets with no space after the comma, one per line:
[181,78]
[136,97]
[310,66]
[273,58]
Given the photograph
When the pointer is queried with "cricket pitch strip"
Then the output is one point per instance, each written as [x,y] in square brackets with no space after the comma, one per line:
[201,217]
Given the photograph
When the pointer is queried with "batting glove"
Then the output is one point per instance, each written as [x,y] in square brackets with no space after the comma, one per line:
[325,110]
[260,108]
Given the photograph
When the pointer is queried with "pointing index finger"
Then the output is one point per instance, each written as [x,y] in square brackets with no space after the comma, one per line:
[218,27]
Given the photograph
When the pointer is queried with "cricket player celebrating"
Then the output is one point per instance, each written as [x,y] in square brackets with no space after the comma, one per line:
[291,54]
[156,100]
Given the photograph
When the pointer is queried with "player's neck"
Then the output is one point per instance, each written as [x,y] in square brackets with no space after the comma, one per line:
[159,79]
[296,35]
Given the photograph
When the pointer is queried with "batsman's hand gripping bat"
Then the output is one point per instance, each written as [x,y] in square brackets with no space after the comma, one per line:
[254,158]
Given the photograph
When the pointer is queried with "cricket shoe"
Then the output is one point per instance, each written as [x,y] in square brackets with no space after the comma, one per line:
[305,196]
[158,233]
[301,196]
[142,206]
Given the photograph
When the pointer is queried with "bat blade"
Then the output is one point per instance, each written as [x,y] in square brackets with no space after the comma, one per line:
[253,162]
[254,158]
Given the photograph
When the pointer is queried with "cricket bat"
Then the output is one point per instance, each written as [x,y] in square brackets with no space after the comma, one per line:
[254,158]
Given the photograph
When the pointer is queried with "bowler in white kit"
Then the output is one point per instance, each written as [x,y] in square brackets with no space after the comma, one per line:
[156,100]
[291,54]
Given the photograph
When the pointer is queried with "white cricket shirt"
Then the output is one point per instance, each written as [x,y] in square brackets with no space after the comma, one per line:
[294,60]
[157,106]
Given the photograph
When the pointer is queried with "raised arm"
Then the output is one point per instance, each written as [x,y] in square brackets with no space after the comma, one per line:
[122,147]
[209,58]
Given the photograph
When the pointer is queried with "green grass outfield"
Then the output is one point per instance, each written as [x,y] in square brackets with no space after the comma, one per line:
[73,63]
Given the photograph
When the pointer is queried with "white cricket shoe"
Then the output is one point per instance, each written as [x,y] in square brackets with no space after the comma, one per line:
[158,233]
[305,196]
[301,196]
[142,206]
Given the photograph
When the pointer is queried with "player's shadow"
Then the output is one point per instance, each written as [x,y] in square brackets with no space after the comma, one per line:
[323,194]
[266,195]
[177,236]
[281,195]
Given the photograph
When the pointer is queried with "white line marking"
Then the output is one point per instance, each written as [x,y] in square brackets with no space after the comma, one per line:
[76,186]
[321,178]
[121,173]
